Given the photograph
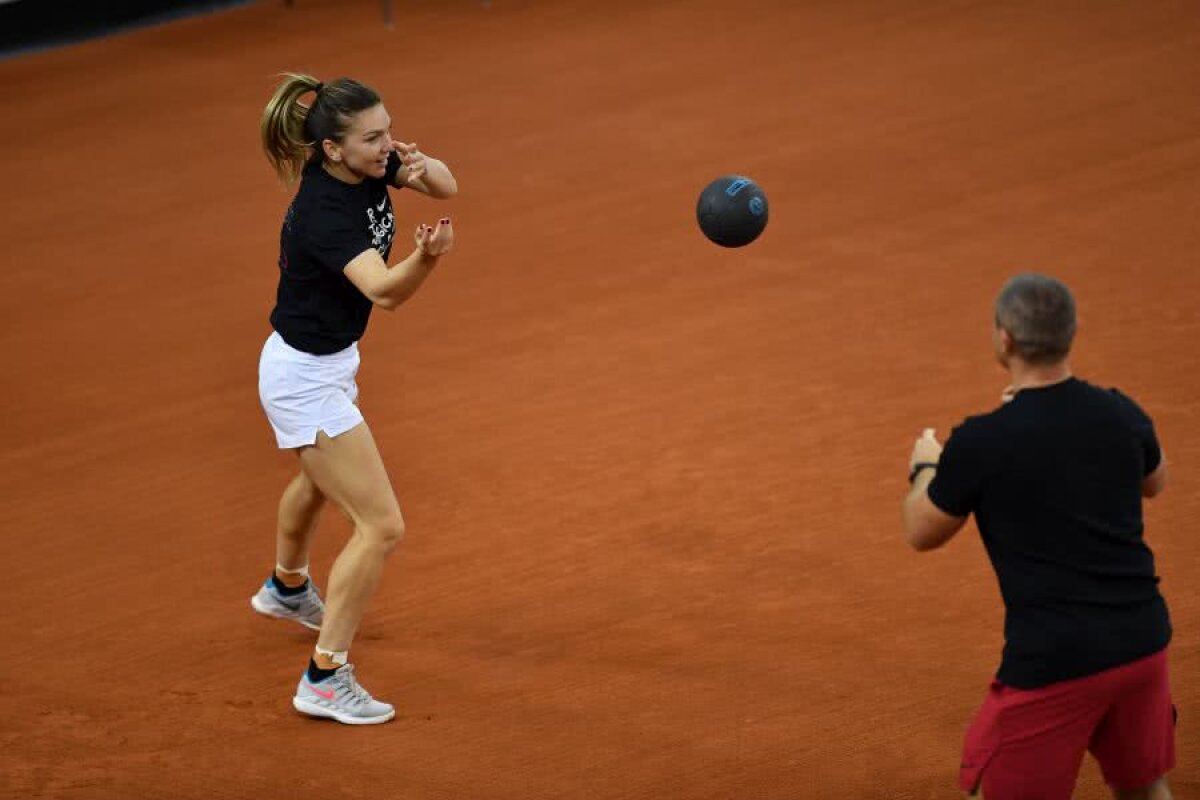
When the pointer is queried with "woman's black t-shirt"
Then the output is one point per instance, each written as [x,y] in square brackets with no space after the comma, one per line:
[1054,479]
[329,223]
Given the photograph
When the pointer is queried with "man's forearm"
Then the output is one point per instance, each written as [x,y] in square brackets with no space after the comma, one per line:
[921,482]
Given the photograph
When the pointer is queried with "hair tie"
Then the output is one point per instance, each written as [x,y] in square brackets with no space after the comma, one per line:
[320,86]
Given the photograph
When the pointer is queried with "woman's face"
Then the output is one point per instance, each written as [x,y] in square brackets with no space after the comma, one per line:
[364,148]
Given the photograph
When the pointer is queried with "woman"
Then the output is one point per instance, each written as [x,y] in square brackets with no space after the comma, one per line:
[334,245]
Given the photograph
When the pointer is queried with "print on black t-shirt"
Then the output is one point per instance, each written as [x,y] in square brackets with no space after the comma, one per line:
[383,225]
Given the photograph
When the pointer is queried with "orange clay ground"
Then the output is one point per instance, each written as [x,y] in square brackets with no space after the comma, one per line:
[652,486]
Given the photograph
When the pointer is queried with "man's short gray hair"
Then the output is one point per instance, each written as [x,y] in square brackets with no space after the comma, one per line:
[1038,312]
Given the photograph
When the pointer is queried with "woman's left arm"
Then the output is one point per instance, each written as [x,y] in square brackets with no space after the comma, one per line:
[424,173]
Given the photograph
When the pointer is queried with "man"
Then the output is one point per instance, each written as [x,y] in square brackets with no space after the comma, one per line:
[1055,478]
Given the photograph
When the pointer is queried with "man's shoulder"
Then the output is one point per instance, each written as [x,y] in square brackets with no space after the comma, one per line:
[1016,414]
[1114,398]
[1113,394]
[982,424]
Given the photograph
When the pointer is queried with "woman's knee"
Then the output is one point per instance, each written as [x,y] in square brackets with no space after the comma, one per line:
[306,492]
[385,532]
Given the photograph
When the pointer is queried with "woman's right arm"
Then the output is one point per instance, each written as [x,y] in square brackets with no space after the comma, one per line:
[388,287]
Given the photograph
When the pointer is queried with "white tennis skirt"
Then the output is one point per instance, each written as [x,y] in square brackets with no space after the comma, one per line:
[303,393]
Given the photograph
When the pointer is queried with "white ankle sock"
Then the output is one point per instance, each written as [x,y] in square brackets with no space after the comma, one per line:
[339,657]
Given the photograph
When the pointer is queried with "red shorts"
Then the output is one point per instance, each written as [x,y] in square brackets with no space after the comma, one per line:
[1029,744]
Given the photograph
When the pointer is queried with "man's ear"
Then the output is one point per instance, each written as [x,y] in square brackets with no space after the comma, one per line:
[1008,347]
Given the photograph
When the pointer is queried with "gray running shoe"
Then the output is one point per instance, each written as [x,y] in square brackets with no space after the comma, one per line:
[340,697]
[306,607]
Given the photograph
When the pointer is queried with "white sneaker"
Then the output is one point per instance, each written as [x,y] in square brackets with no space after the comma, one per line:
[306,607]
[340,697]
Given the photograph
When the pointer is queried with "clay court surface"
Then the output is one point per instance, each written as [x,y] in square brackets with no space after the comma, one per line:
[652,486]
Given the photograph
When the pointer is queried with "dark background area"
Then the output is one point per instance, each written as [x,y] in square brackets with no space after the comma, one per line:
[36,24]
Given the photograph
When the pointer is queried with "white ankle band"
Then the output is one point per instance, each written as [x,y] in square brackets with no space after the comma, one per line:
[339,657]
[288,571]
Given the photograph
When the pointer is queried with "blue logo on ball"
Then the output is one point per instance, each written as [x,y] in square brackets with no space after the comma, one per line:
[735,187]
[756,206]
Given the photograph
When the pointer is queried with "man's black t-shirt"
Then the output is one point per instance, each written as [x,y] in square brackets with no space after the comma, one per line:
[329,223]
[1054,479]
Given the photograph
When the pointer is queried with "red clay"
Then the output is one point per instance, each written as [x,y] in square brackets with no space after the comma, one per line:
[652,485]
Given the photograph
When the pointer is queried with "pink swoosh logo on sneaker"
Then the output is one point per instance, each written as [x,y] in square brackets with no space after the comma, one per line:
[327,694]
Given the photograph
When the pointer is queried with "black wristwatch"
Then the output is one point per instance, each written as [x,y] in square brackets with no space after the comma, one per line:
[917,467]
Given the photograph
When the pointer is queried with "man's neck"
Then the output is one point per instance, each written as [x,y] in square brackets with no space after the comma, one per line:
[1032,376]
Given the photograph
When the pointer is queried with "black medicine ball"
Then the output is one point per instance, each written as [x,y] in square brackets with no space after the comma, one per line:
[732,211]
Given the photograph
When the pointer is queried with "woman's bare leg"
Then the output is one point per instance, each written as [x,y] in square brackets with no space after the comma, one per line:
[349,471]
[299,512]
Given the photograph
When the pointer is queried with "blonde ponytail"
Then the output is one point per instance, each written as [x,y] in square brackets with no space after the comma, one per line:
[284,137]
